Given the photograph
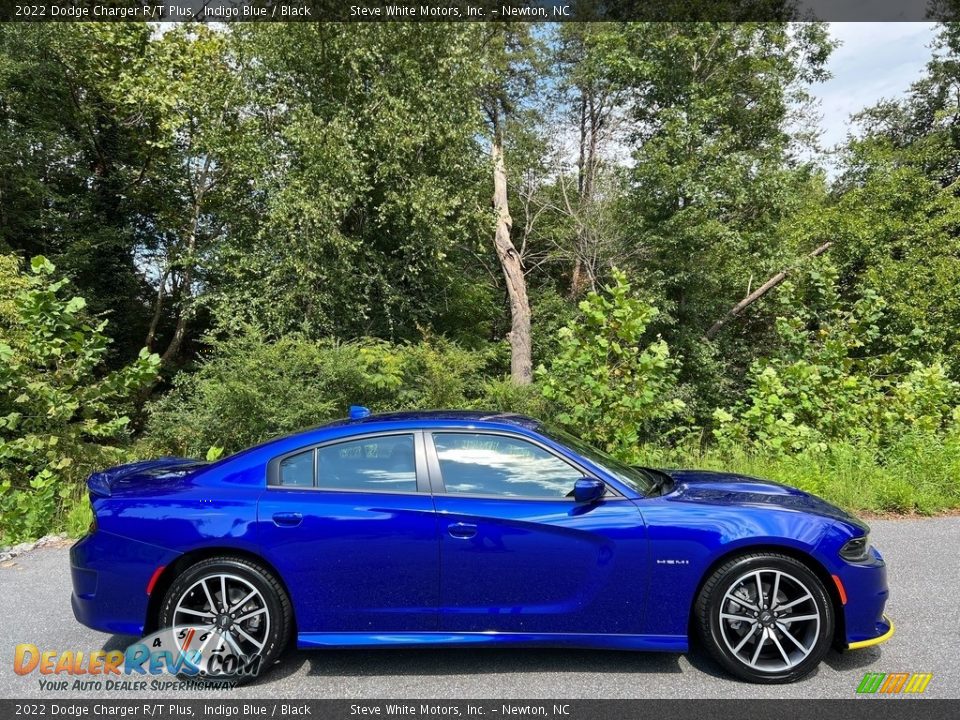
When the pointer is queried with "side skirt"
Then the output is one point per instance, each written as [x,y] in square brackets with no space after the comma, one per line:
[654,643]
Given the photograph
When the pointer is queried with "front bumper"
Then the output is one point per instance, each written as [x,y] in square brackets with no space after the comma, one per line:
[882,638]
[866,590]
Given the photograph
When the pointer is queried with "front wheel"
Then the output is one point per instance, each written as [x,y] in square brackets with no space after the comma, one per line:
[231,614]
[766,618]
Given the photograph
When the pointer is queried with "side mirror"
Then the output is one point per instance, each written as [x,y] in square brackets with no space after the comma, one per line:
[588,490]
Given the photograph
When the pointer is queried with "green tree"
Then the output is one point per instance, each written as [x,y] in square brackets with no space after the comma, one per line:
[508,68]
[837,378]
[72,160]
[367,183]
[249,388]
[592,99]
[61,415]
[715,174]
[895,217]
[610,383]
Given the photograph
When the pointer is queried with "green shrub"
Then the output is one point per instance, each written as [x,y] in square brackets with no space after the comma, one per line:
[61,415]
[609,382]
[836,381]
[504,395]
[247,390]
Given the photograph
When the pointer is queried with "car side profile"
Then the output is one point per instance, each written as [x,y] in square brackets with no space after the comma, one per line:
[454,528]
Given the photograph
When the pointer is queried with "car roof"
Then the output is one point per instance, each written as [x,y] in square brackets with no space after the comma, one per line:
[453,417]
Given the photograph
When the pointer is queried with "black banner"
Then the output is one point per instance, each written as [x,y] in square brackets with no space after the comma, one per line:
[476,10]
[172,709]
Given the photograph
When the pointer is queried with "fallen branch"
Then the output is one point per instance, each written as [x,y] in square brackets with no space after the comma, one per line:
[757,294]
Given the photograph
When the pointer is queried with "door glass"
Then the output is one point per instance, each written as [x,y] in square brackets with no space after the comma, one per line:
[481,464]
[297,470]
[370,464]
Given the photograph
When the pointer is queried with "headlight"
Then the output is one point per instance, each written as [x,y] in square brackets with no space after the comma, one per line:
[856,550]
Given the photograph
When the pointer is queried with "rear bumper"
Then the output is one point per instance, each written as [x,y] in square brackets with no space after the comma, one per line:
[110,575]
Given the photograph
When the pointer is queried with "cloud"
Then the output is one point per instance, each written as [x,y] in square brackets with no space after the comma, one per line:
[876,61]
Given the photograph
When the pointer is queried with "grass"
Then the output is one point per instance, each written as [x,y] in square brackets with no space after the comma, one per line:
[917,475]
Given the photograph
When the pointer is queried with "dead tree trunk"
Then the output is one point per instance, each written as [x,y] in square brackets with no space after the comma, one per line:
[521,362]
[756,295]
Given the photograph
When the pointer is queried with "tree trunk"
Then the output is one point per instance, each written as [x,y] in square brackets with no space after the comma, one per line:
[521,362]
[199,189]
[157,310]
[578,278]
[584,271]
[756,295]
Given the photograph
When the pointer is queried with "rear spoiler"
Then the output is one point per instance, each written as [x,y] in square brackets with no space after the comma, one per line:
[102,484]
[99,484]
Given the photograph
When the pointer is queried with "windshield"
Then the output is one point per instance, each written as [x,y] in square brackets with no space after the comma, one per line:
[637,478]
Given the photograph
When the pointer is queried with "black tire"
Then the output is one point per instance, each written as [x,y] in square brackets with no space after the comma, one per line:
[279,614]
[722,636]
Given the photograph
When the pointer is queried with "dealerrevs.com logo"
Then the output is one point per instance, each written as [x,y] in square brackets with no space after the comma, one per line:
[195,657]
[894,683]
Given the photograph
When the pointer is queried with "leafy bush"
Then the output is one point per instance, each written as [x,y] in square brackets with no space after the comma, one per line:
[609,383]
[248,390]
[838,380]
[504,395]
[61,415]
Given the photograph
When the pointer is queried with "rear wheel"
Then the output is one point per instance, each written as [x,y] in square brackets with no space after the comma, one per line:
[766,618]
[233,611]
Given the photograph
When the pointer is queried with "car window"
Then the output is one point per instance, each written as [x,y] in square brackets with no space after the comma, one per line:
[297,470]
[477,463]
[635,477]
[376,463]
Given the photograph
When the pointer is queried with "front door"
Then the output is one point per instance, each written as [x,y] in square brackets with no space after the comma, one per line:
[354,535]
[518,554]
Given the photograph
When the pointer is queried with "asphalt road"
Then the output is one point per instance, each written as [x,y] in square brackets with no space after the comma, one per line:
[923,558]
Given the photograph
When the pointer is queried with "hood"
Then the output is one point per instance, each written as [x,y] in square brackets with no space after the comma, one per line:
[720,488]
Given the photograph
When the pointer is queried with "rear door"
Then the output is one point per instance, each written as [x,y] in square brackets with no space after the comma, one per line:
[350,525]
[517,554]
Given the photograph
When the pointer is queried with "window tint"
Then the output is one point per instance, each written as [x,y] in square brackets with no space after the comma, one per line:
[297,470]
[379,463]
[496,465]
[636,477]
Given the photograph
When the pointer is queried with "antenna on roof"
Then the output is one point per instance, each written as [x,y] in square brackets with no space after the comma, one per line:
[358,411]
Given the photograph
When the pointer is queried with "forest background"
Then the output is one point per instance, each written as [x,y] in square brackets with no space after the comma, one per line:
[210,236]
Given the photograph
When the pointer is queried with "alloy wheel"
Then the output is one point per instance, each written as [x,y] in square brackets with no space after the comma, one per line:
[226,612]
[769,620]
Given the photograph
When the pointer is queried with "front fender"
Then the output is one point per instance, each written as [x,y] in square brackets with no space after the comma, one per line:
[688,539]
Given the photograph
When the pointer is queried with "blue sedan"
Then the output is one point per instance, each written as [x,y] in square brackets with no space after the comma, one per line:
[452,528]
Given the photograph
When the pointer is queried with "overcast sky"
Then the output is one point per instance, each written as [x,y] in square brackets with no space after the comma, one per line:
[876,60]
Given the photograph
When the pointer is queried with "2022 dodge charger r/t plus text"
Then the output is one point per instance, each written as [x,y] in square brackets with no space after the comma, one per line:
[454,528]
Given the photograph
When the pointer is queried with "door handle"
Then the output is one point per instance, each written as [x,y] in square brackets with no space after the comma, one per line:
[287,519]
[462,530]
